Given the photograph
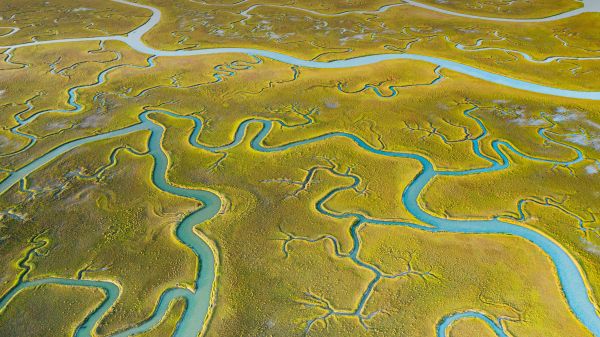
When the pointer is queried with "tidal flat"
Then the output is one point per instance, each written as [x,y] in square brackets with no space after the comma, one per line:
[243,168]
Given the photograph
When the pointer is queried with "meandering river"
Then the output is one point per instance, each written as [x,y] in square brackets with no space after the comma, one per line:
[200,299]
[134,40]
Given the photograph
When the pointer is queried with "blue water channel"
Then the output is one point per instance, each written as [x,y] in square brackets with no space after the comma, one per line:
[199,299]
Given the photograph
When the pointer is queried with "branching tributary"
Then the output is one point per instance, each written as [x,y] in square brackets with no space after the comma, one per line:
[201,297]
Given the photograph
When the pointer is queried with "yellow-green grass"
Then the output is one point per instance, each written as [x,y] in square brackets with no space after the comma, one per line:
[199,169]
[118,228]
[260,216]
[415,120]
[10,143]
[498,275]
[22,83]
[267,92]
[507,9]
[168,325]
[124,215]
[377,196]
[250,233]
[306,35]
[100,110]
[572,194]
[471,327]
[512,115]
[48,310]
[226,104]
[507,115]
[369,33]
[43,20]
[76,66]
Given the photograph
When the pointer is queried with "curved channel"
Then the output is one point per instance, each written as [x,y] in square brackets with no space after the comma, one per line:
[199,300]
[589,6]
[446,323]
[134,40]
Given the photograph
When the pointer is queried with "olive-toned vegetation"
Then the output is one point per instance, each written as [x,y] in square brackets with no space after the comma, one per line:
[309,30]
[283,253]
[40,20]
[314,235]
[470,327]
[48,311]
[508,9]
[107,222]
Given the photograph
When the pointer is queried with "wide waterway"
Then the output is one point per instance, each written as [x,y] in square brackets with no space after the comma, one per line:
[200,299]
[134,40]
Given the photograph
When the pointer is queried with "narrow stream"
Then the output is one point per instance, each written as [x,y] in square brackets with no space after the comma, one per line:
[200,299]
